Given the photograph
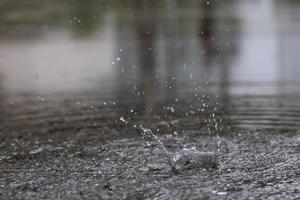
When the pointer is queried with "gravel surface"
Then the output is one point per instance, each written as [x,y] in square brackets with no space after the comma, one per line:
[59,147]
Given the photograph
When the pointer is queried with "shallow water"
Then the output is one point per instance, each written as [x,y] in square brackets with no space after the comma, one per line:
[100,101]
[77,152]
[261,166]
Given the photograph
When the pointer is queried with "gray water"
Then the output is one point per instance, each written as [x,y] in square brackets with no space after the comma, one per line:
[212,89]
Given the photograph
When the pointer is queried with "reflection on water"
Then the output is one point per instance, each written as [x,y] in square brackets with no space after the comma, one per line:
[85,85]
[288,30]
[151,49]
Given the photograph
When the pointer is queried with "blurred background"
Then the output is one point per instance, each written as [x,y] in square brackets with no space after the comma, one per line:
[74,45]
[144,54]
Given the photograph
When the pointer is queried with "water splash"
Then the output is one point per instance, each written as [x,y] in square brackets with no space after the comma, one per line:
[186,158]
[183,159]
[193,159]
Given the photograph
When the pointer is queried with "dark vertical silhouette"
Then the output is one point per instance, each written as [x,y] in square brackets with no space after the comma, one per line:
[145,29]
[207,28]
[172,40]
[219,40]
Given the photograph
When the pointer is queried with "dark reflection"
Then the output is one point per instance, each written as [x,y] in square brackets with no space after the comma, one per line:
[146,52]
[135,57]
[172,46]
[207,28]
[219,41]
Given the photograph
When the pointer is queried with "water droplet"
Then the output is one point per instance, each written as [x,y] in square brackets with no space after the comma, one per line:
[122,119]
[219,193]
[36,151]
[41,99]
